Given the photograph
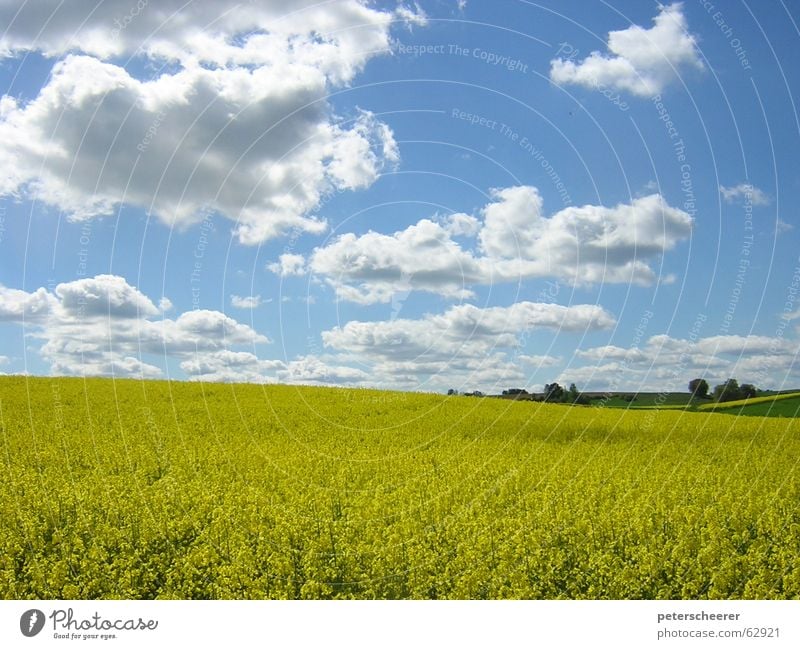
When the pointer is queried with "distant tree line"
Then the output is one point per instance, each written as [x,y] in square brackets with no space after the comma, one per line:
[553,393]
[476,393]
[730,390]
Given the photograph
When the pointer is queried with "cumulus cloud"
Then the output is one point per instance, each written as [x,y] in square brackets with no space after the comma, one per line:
[744,193]
[668,363]
[639,61]
[104,326]
[310,370]
[465,344]
[21,306]
[288,265]
[463,328]
[338,37]
[241,127]
[103,295]
[97,345]
[373,267]
[539,360]
[462,225]
[583,245]
[490,374]
[515,240]
[246,302]
[227,366]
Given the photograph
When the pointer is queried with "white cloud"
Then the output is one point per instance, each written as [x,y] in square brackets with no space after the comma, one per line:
[512,222]
[744,193]
[462,225]
[582,245]
[539,361]
[228,366]
[309,370]
[102,346]
[466,345]
[668,363]
[247,302]
[640,61]
[490,374]
[20,306]
[415,16]
[241,128]
[103,295]
[196,330]
[373,267]
[613,353]
[288,265]
[104,326]
[337,38]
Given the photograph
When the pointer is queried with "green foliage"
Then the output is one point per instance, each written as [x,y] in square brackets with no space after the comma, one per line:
[748,391]
[732,391]
[698,388]
[728,391]
[658,400]
[554,392]
[153,490]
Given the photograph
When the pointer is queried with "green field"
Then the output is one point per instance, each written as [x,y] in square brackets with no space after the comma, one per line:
[780,403]
[767,408]
[155,490]
[769,405]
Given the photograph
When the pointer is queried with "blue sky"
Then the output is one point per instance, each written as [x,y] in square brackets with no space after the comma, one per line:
[464,195]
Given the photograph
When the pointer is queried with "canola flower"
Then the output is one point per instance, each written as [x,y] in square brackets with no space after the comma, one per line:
[141,490]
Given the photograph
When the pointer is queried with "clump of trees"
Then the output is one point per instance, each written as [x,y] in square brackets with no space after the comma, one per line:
[452,392]
[699,388]
[554,393]
[730,390]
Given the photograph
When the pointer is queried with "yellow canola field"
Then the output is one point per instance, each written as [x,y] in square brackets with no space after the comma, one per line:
[133,489]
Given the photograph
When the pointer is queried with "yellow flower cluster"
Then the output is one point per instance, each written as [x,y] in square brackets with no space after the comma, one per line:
[147,490]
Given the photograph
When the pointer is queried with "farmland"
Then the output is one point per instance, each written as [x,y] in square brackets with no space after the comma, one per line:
[648,400]
[126,489]
[776,405]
